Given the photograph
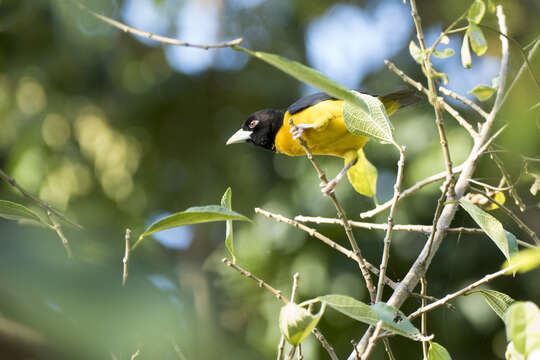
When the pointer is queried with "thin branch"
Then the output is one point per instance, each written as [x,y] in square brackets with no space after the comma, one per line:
[464,100]
[291,353]
[300,355]
[490,187]
[388,236]
[342,216]
[455,114]
[372,340]
[56,227]
[388,349]
[350,254]
[423,283]
[125,259]
[11,181]
[325,344]
[162,39]
[281,345]
[454,295]
[506,176]
[135,355]
[261,283]
[511,214]
[419,185]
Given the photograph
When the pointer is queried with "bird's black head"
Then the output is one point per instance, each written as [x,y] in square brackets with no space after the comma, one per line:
[260,129]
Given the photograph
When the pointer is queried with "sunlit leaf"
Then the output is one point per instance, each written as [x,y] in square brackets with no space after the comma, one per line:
[511,353]
[444,54]
[476,11]
[478,41]
[226,202]
[309,76]
[296,323]
[466,59]
[363,176]
[445,40]
[490,225]
[393,319]
[194,215]
[374,123]
[416,52]
[437,352]
[498,301]
[522,321]
[526,260]
[482,92]
[13,211]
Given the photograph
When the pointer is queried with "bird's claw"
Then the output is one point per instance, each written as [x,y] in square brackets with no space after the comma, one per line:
[328,188]
[296,132]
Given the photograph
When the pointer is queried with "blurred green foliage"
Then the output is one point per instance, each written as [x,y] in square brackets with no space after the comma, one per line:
[99,125]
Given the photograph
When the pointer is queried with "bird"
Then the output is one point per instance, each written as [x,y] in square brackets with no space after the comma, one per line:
[318,119]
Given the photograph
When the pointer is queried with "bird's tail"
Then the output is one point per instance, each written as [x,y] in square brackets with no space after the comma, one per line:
[398,99]
[362,175]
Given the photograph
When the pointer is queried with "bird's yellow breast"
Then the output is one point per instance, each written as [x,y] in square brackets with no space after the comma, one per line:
[332,138]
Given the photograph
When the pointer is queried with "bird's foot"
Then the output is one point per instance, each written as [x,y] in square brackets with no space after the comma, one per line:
[328,188]
[298,130]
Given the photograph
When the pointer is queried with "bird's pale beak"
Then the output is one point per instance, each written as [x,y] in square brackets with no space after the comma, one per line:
[239,136]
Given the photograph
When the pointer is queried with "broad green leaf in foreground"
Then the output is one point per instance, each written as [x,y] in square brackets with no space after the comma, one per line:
[491,226]
[393,319]
[498,301]
[476,11]
[363,176]
[374,123]
[296,323]
[437,352]
[229,241]
[482,92]
[478,41]
[522,321]
[466,59]
[13,211]
[526,260]
[194,215]
[308,75]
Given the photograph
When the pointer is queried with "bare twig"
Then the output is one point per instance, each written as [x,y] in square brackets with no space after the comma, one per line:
[135,355]
[125,259]
[300,356]
[261,283]
[342,216]
[517,199]
[388,236]
[372,340]
[454,295]
[291,353]
[423,321]
[511,214]
[281,345]
[56,227]
[162,39]
[11,181]
[490,187]
[419,185]
[325,344]
[464,100]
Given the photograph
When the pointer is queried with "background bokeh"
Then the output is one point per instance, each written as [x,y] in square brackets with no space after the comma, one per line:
[118,131]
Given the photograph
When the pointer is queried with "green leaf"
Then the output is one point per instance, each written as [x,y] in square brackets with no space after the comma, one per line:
[437,352]
[193,215]
[444,54]
[495,82]
[498,301]
[490,225]
[445,40]
[393,319]
[416,52]
[526,260]
[296,323]
[482,92]
[374,123]
[13,211]
[363,176]
[478,41]
[227,204]
[511,353]
[308,75]
[466,59]
[536,185]
[476,11]
[522,321]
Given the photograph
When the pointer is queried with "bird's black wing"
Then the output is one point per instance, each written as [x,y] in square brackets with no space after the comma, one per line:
[308,101]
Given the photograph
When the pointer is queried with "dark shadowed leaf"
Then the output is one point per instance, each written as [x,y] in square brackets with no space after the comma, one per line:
[194,215]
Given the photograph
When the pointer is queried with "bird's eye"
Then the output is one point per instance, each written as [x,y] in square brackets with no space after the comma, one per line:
[253,123]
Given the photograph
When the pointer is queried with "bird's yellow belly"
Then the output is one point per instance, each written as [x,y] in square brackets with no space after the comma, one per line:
[332,138]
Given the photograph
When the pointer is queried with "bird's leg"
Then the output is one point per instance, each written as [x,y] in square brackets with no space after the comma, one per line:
[298,129]
[328,188]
